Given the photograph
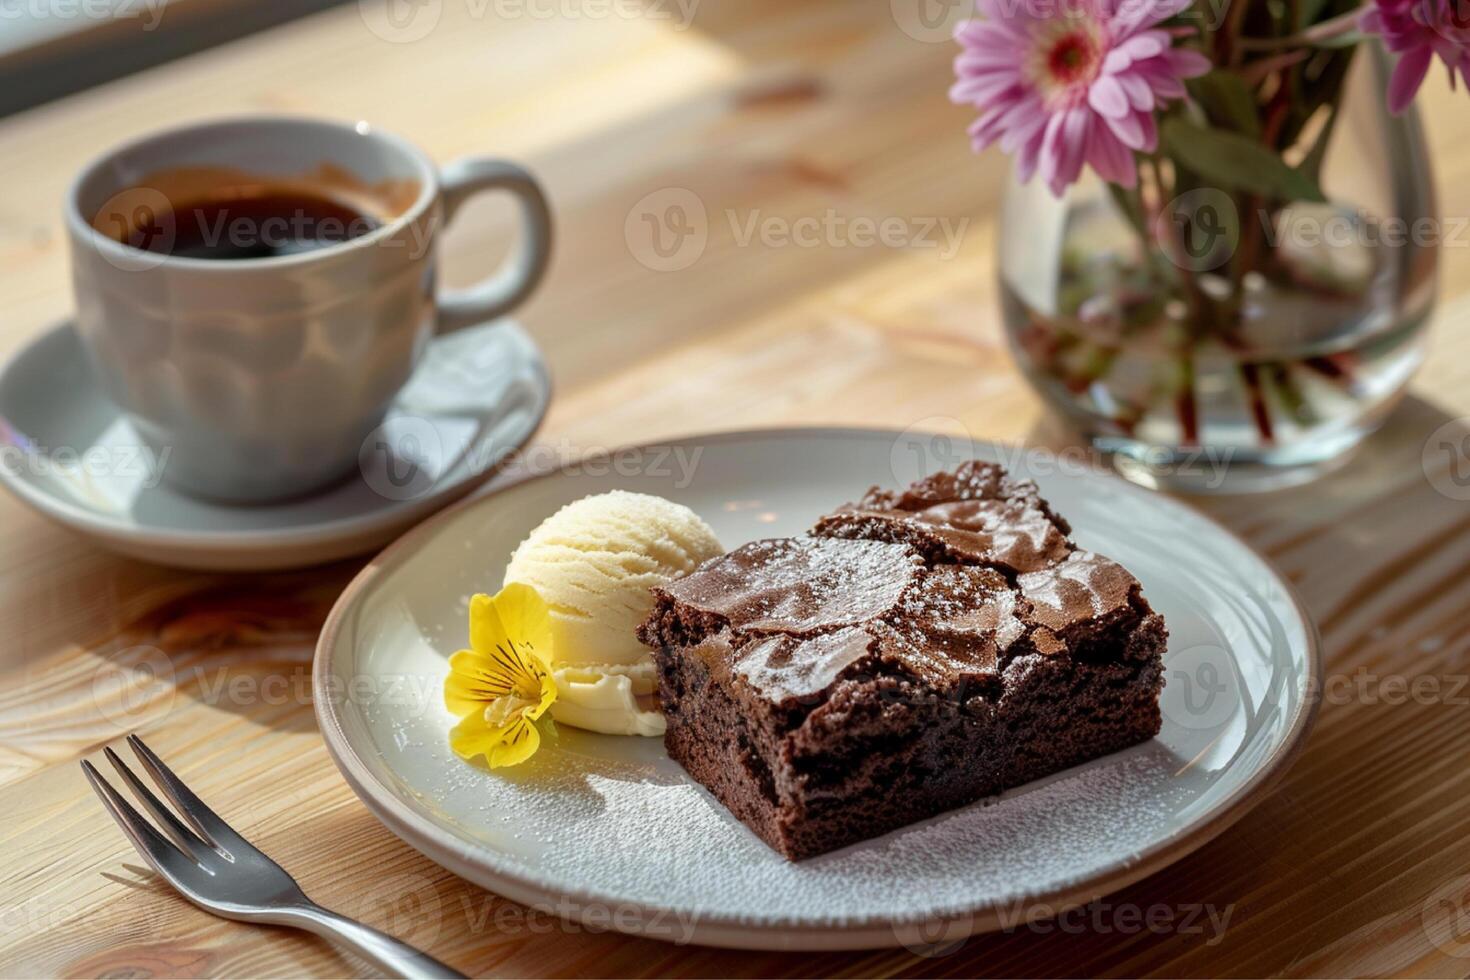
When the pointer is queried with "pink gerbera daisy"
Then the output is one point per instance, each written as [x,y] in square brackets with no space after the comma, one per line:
[1417,30]
[1065,83]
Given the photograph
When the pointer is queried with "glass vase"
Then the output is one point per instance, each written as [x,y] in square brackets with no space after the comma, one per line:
[1208,340]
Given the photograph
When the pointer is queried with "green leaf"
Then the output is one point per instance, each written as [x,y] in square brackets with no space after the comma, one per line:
[1228,101]
[1235,162]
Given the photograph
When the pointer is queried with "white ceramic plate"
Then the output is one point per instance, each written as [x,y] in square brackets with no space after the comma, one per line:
[610,831]
[69,453]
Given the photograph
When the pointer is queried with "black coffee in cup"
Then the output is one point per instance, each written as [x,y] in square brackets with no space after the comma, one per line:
[250,226]
[225,215]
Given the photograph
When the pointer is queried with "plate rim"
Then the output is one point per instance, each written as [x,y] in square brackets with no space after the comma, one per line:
[870,932]
[132,535]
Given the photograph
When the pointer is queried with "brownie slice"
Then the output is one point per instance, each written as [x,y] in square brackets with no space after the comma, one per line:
[977,514]
[920,650]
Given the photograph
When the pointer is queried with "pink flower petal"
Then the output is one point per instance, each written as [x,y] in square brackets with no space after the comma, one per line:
[976,60]
[1049,162]
[989,34]
[1108,97]
[981,92]
[1135,15]
[1150,132]
[1188,63]
[1027,156]
[1156,74]
[1117,62]
[1145,45]
[1023,130]
[1164,9]
[1072,148]
[1407,77]
[1140,96]
[1111,159]
[1129,129]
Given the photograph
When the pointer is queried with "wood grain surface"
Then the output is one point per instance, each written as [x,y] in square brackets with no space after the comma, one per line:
[1358,863]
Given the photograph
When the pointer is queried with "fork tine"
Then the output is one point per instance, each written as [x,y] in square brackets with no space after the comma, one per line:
[184,838]
[204,820]
[150,844]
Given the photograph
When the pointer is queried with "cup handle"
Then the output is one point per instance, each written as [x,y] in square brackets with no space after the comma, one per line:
[508,286]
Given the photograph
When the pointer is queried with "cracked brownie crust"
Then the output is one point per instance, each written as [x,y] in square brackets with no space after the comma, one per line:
[918,651]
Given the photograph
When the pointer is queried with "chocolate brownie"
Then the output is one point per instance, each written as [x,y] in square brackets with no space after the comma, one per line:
[919,650]
[977,514]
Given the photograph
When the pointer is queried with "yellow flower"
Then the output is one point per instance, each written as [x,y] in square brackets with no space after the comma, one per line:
[502,684]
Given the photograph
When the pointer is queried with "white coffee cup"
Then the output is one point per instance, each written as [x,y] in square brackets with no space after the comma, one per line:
[261,377]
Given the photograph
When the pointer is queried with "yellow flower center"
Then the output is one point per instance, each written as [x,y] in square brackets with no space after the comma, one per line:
[506,708]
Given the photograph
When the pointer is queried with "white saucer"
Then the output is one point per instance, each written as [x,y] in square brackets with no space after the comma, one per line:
[68,452]
[611,832]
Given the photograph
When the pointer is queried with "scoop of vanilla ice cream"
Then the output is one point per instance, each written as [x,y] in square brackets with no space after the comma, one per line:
[593,562]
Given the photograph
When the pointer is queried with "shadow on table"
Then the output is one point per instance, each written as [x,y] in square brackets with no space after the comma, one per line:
[239,643]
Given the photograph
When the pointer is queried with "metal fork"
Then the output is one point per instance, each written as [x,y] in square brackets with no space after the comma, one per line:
[221,872]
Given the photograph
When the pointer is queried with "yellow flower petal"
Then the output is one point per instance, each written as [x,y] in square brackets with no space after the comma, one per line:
[516,615]
[518,742]
[472,737]
[548,695]
[508,745]
[486,629]
[473,682]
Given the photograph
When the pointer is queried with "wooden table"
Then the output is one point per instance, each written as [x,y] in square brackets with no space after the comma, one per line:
[1357,863]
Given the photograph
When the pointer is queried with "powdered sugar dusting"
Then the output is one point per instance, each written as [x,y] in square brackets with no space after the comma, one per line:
[1064,585]
[614,818]
[800,584]
[784,667]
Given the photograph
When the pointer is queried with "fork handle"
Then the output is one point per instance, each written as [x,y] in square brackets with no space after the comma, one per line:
[394,957]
